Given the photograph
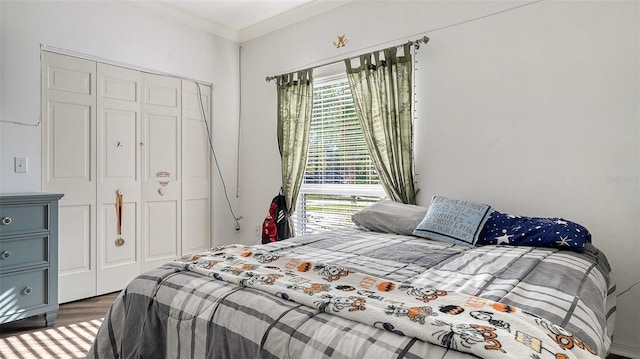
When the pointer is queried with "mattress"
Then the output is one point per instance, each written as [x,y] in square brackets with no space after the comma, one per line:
[198,307]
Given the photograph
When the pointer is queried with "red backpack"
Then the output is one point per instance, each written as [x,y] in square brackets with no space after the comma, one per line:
[276,224]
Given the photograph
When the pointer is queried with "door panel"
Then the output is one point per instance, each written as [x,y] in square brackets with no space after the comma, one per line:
[118,137]
[75,251]
[161,228]
[76,246]
[196,221]
[68,166]
[123,89]
[118,155]
[63,76]
[161,147]
[195,160]
[71,160]
[115,255]
[162,93]
[196,167]
[161,188]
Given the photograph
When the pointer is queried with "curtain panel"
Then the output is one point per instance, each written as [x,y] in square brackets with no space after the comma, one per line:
[381,89]
[295,99]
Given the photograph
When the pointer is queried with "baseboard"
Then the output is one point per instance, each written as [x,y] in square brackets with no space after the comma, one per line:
[625,350]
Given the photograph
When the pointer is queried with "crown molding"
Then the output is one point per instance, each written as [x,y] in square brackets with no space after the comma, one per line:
[297,14]
[179,15]
[290,17]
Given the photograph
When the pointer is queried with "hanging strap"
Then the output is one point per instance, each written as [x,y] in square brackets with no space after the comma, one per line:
[119,211]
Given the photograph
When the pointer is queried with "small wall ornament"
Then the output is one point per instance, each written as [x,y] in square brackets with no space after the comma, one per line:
[342,42]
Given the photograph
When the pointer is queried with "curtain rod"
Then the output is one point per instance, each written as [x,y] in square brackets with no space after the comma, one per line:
[417,43]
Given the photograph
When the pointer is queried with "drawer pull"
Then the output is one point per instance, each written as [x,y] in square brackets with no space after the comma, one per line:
[7,221]
[27,291]
[5,255]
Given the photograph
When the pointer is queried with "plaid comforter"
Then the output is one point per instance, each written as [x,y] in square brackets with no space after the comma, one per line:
[177,313]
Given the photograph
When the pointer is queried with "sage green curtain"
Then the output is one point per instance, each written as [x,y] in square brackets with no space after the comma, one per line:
[381,90]
[295,99]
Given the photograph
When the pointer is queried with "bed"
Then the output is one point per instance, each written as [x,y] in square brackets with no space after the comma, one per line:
[362,293]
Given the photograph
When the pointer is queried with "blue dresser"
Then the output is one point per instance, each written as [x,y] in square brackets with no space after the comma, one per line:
[29,256]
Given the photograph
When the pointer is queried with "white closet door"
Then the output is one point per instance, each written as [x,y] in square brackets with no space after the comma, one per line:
[105,130]
[161,166]
[69,167]
[118,170]
[196,167]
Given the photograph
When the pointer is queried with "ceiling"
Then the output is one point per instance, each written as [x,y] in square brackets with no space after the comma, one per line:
[240,20]
[237,14]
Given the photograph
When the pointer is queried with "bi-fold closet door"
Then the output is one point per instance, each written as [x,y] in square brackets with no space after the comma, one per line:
[109,131]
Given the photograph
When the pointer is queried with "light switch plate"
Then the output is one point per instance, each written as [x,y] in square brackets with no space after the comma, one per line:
[21,165]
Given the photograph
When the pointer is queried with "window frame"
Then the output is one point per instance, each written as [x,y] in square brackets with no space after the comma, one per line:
[340,194]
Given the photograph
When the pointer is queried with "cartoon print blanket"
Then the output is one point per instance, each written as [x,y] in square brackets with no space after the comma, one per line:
[465,323]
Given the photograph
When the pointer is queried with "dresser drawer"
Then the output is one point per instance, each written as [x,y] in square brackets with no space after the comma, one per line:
[23,252]
[23,291]
[24,218]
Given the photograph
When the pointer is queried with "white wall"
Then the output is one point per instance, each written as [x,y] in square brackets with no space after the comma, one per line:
[116,31]
[535,111]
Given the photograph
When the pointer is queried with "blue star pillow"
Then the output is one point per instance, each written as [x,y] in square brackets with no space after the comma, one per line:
[502,228]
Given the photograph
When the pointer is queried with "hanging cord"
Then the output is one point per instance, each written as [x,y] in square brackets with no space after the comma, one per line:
[628,289]
[239,121]
[22,123]
[215,158]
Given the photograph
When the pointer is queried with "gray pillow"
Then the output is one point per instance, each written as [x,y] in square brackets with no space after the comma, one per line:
[390,217]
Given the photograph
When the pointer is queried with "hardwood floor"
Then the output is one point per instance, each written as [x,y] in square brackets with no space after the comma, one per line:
[69,313]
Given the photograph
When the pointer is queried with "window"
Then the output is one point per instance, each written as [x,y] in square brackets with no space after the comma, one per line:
[340,178]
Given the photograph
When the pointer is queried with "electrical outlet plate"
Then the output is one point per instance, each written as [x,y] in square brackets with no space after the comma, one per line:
[21,165]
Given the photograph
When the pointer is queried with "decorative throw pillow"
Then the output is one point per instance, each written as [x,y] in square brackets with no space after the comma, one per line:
[453,220]
[390,217]
[503,228]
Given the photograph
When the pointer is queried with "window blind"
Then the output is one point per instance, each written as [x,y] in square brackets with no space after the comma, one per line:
[340,178]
